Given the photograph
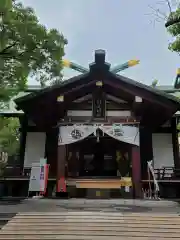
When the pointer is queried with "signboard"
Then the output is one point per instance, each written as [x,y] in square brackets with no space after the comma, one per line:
[39,176]
[34,183]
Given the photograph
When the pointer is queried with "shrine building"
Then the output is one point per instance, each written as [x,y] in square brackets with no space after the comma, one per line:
[97,131]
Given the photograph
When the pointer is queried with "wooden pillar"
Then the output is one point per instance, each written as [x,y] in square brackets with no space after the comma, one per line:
[61,160]
[146,150]
[51,150]
[136,171]
[23,134]
[175,143]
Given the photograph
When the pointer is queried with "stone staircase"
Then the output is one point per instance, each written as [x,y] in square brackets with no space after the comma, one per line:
[71,225]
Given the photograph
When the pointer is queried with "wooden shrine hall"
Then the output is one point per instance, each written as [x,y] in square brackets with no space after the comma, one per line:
[97,129]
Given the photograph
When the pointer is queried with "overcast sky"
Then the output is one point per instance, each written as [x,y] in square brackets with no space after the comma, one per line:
[124,28]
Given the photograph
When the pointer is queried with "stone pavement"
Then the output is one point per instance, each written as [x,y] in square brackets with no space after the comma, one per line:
[105,205]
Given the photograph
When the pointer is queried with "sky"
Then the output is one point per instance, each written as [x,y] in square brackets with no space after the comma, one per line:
[125,29]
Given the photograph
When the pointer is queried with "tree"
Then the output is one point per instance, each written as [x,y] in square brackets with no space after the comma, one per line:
[174,30]
[9,135]
[27,49]
[171,17]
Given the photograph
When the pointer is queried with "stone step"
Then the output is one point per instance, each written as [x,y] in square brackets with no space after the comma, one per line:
[77,237]
[89,233]
[42,229]
[69,220]
[88,213]
[91,225]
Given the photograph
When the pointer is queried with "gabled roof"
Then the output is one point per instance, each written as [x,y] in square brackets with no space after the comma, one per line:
[48,89]
[99,70]
[81,77]
[151,89]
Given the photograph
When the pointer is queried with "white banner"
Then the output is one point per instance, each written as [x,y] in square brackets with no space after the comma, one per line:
[37,178]
[71,134]
[124,133]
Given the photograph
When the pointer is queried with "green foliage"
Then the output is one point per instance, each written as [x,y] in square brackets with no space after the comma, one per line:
[27,48]
[174,30]
[9,135]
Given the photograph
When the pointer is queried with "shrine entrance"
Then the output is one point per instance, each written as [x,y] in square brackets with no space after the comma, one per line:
[99,156]
[102,157]
[98,164]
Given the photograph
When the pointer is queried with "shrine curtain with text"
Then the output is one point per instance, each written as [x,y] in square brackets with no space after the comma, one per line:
[124,133]
[71,134]
[75,133]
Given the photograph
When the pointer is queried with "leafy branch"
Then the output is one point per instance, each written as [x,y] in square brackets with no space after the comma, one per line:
[169,15]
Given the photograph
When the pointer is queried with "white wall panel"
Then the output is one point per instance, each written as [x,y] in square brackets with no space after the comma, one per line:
[35,148]
[162,150]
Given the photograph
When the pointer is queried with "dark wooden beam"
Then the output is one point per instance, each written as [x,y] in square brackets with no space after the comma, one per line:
[23,134]
[109,106]
[32,129]
[162,130]
[154,117]
[146,151]
[109,120]
[136,171]
[51,149]
[77,92]
[118,93]
[46,113]
[49,92]
[175,142]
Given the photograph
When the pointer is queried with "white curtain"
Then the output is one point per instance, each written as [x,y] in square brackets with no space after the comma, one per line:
[124,133]
[75,133]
